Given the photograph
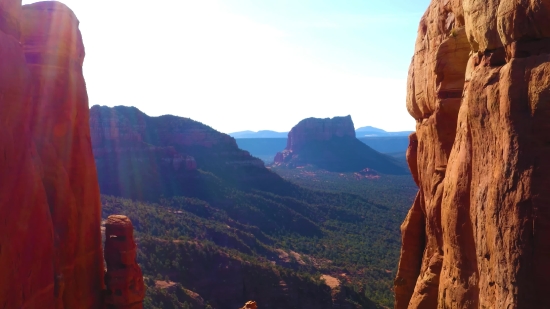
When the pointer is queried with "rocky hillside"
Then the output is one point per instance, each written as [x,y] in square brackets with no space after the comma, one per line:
[50,242]
[479,89]
[331,144]
[256,245]
[145,157]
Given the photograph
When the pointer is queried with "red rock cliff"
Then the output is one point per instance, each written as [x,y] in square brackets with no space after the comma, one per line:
[50,242]
[479,89]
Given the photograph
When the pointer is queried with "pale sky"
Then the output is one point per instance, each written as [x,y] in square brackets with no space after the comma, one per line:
[240,65]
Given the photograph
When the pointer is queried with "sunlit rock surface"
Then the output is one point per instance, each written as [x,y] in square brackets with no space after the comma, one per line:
[50,242]
[479,89]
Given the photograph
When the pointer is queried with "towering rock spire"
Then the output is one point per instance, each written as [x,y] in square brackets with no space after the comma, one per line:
[479,89]
[50,242]
[124,280]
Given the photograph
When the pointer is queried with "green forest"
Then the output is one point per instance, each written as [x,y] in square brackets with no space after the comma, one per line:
[339,225]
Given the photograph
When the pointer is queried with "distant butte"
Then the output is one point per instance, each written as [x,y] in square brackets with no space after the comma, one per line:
[331,144]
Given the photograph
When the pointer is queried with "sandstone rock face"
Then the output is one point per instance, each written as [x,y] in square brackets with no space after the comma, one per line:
[479,88]
[331,144]
[50,242]
[24,208]
[124,279]
[55,53]
[315,129]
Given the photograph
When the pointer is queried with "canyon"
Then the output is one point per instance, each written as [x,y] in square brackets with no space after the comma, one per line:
[215,228]
[479,89]
[476,235]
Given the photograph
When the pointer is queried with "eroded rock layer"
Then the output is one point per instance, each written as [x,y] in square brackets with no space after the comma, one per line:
[50,242]
[479,88]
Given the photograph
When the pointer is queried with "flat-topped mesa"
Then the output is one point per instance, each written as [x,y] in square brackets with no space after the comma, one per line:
[124,279]
[330,144]
[479,88]
[317,129]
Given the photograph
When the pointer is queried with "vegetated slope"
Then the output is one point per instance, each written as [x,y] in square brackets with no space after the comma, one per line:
[213,184]
[345,154]
[226,262]
[393,191]
[331,144]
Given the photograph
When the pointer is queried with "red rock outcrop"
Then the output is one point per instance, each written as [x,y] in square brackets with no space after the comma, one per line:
[479,88]
[50,242]
[124,279]
[314,130]
[250,305]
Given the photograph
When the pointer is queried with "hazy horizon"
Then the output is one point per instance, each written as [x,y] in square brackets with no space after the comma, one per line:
[240,65]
